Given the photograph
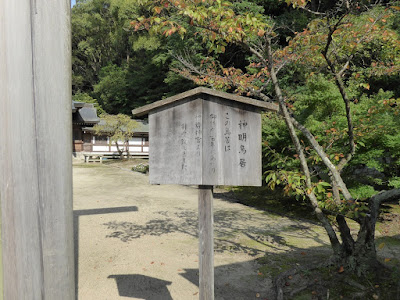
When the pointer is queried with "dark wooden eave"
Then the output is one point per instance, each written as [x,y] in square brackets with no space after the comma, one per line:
[265,106]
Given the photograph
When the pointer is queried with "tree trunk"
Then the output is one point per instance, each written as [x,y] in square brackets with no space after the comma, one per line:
[127,149]
[120,152]
[359,256]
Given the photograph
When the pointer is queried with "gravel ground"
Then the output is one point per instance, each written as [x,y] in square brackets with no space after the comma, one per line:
[139,241]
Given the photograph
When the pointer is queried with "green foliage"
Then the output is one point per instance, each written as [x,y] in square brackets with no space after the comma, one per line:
[98,39]
[223,44]
[318,101]
[318,105]
[293,182]
[362,191]
[112,89]
[85,97]
[141,168]
[121,68]
[394,182]
[346,146]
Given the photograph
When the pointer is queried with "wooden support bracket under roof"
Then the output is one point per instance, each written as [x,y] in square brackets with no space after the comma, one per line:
[144,110]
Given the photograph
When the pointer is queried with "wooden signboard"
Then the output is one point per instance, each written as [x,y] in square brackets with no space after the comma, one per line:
[204,137]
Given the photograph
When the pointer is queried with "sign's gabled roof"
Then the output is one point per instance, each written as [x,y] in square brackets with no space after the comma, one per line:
[144,110]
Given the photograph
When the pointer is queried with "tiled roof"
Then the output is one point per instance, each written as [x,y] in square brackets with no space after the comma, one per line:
[84,113]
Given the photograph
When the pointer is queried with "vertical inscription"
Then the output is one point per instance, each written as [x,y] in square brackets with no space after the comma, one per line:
[198,133]
[212,136]
[183,146]
[227,132]
[242,136]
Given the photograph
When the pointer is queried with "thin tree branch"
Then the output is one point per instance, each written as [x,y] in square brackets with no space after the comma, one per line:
[340,84]
[321,153]
[303,162]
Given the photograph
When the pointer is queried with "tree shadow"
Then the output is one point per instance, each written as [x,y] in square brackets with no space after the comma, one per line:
[286,206]
[88,212]
[227,226]
[141,286]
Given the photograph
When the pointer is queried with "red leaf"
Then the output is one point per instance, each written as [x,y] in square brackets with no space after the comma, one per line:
[157,9]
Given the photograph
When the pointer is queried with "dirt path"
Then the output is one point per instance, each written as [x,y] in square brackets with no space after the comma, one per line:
[138,241]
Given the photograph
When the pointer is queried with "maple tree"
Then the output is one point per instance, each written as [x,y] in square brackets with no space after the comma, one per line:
[342,49]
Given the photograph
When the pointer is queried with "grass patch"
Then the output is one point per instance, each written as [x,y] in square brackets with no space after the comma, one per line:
[273,265]
[389,240]
[141,168]
[327,283]
[302,276]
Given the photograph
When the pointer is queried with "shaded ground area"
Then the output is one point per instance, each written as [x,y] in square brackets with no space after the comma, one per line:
[137,241]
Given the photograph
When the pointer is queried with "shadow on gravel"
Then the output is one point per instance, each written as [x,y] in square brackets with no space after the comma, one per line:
[228,225]
[230,282]
[225,228]
[89,212]
[143,287]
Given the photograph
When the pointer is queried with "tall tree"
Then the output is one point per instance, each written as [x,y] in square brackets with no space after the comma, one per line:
[111,63]
[349,44]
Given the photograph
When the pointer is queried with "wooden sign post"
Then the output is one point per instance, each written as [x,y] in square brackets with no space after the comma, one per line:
[204,137]
[36,150]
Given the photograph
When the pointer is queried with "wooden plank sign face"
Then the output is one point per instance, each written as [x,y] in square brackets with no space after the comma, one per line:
[205,140]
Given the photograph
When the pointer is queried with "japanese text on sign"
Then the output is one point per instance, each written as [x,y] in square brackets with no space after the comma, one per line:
[184,146]
[198,133]
[227,133]
[212,135]
[242,136]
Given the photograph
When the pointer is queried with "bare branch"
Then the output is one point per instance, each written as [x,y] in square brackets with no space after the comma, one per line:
[317,13]
[386,196]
